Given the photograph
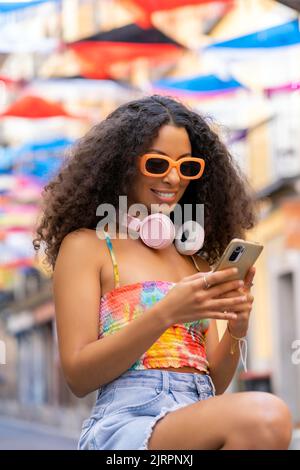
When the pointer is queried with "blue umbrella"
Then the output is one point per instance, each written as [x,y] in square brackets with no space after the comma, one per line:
[6,160]
[206,84]
[7,7]
[36,146]
[286,34]
[40,159]
[41,168]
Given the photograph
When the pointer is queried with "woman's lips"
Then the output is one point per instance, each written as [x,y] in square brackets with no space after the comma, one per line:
[164,195]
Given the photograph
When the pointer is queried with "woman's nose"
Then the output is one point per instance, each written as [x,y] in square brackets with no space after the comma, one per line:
[172,177]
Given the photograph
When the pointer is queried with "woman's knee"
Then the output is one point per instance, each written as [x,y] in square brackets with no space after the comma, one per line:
[269,422]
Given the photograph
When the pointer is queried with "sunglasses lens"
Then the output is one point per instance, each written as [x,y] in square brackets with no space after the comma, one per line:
[156,166]
[190,168]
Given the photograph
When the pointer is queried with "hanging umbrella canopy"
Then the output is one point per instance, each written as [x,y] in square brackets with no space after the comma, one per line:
[264,59]
[41,159]
[202,85]
[34,147]
[34,107]
[11,156]
[21,188]
[295,4]
[100,52]
[6,160]
[145,8]
[286,34]
[8,81]
[286,88]
[132,34]
[8,7]
[150,6]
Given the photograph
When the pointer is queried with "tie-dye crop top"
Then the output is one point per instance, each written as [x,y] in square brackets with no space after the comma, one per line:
[180,345]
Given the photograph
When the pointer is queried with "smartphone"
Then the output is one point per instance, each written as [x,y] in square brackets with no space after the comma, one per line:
[240,254]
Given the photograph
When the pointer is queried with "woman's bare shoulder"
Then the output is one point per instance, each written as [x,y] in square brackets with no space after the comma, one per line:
[83,243]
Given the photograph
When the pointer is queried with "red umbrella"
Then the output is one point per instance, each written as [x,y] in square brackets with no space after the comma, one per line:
[34,107]
[98,54]
[150,6]
[89,54]
[145,8]
[8,81]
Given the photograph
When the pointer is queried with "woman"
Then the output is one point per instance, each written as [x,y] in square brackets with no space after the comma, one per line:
[153,354]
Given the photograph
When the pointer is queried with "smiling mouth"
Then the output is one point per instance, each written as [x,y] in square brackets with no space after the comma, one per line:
[165,196]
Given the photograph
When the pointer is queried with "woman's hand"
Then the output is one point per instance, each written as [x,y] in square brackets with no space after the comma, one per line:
[190,299]
[239,326]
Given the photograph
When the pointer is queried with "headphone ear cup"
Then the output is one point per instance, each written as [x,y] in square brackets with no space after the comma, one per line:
[194,238]
[157,231]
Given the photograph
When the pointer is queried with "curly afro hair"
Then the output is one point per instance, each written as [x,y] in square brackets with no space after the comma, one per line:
[102,165]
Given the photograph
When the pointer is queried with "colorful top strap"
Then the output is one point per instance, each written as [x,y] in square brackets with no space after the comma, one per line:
[114,261]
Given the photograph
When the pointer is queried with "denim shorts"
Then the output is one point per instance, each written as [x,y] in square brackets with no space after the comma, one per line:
[127,408]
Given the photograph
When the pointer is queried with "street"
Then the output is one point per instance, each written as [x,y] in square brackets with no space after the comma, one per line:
[20,435]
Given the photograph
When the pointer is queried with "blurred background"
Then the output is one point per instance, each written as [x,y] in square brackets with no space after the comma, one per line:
[64,65]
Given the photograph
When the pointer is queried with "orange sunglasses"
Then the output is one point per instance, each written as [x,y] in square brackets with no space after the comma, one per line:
[156,165]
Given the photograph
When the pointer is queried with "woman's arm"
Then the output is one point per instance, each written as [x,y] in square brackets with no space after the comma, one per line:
[222,364]
[88,362]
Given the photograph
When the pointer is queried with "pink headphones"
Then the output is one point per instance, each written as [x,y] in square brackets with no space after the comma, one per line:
[158,231]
